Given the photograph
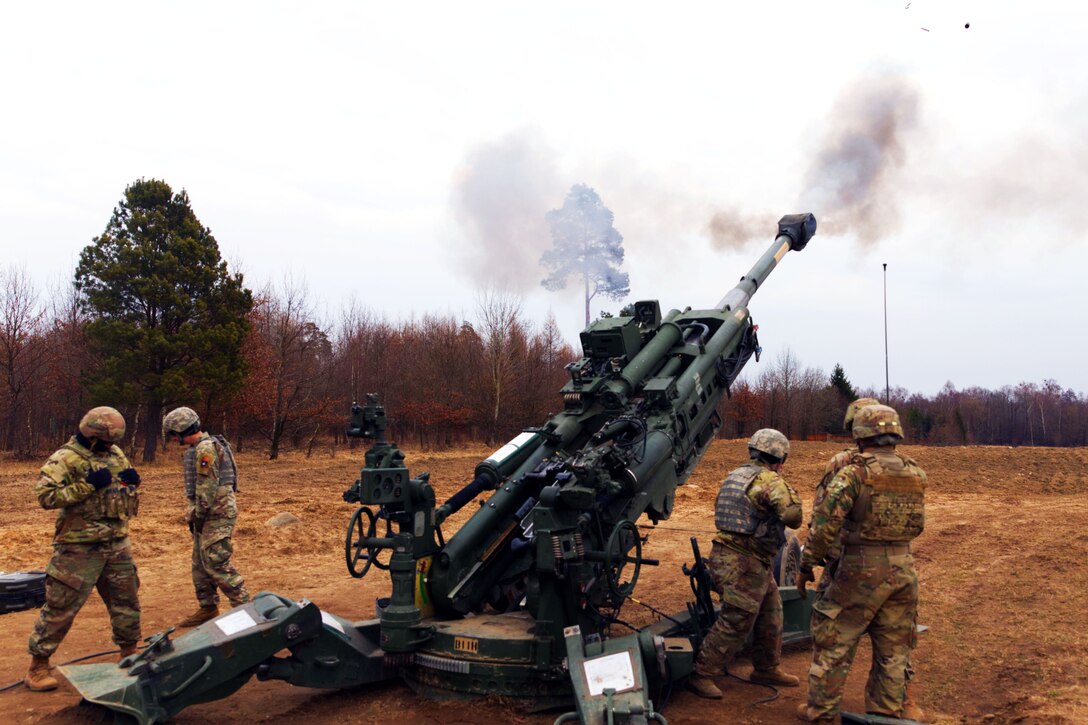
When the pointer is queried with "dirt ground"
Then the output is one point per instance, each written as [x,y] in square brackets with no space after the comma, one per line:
[1001,563]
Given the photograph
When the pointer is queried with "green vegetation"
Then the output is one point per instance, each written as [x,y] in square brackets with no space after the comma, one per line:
[167,320]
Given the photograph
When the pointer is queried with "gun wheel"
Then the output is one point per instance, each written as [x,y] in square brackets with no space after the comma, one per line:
[624,547]
[787,562]
[359,552]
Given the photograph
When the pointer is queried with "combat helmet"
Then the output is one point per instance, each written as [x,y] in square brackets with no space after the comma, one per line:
[852,410]
[771,443]
[876,420]
[103,423]
[180,420]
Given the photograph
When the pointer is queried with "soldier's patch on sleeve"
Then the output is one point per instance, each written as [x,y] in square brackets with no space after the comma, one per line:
[204,463]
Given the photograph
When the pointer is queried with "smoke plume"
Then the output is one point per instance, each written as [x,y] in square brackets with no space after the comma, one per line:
[500,195]
[732,229]
[850,185]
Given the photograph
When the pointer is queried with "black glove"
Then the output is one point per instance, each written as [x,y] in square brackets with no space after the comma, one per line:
[99,478]
[804,576]
[129,477]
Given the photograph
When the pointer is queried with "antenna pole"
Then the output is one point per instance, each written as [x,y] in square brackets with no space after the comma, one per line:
[887,383]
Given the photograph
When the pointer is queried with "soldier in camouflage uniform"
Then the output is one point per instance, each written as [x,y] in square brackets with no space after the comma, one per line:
[94,490]
[210,485]
[754,506]
[839,461]
[877,504]
[911,710]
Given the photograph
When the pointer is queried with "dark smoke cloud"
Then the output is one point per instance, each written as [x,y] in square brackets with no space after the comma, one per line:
[500,195]
[733,229]
[851,185]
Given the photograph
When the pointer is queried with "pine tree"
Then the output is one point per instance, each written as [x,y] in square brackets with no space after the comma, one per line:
[167,318]
[585,244]
[840,383]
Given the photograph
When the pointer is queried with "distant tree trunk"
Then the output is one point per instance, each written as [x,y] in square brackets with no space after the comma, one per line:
[277,433]
[585,278]
[310,444]
[152,429]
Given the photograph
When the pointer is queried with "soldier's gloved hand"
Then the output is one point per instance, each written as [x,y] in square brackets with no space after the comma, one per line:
[129,477]
[99,478]
[804,576]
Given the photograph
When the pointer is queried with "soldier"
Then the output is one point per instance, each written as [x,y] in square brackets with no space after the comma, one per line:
[879,501]
[93,488]
[839,461]
[911,710]
[210,483]
[754,506]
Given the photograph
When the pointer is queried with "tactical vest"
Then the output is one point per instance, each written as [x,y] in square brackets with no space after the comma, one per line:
[735,513]
[228,470]
[115,501]
[891,505]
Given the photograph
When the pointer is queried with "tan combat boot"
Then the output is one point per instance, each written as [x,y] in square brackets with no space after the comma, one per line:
[703,686]
[38,678]
[804,714]
[773,677]
[911,709]
[200,616]
[127,651]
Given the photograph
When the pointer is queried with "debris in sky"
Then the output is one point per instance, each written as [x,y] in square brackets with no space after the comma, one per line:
[926,29]
[967,25]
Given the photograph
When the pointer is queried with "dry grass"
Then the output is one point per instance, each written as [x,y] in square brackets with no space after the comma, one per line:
[1001,564]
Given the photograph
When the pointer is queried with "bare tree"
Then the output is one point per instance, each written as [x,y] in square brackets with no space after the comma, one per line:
[786,375]
[21,350]
[290,358]
[500,328]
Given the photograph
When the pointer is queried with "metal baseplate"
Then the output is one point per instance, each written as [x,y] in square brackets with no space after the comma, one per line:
[217,658]
[609,679]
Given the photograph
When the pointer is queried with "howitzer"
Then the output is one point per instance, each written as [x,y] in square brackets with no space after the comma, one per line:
[519,600]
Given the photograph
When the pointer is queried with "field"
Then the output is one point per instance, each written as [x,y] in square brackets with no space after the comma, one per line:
[1002,562]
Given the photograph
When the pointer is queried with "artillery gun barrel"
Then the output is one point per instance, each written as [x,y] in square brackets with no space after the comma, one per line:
[794,232]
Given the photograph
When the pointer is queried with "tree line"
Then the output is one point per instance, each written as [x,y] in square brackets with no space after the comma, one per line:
[154,318]
[807,403]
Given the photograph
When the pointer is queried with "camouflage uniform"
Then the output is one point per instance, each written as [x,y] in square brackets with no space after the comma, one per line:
[740,566]
[212,516]
[839,461]
[879,500]
[90,547]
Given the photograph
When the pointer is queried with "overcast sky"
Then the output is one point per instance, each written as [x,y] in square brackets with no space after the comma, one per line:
[404,154]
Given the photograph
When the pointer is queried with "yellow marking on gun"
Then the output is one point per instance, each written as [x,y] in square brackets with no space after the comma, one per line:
[466,644]
[781,252]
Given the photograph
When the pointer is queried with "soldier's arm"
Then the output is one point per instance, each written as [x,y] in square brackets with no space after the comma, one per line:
[779,496]
[836,464]
[829,514]
[59,486]
[207,480]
